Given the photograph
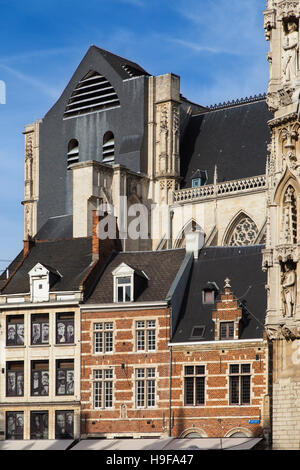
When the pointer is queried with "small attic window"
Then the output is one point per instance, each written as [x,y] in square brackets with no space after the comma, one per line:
[108,150]
[208,297]
[209,293]
[128,283]
[124,289]
[73,152]
[198,332]
[199,178]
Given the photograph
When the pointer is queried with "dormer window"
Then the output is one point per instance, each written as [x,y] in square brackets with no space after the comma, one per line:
[199,178]
[209,293]
[39,283]
[41,278]
[124,289]
[226,330]
[128,283]
[123,283]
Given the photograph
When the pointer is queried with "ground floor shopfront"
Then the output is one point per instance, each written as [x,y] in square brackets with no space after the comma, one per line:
[42,422]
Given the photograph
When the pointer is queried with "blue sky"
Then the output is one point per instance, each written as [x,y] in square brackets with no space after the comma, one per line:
[217,48]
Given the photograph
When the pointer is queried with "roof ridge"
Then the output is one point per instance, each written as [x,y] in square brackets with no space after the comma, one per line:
[237,102]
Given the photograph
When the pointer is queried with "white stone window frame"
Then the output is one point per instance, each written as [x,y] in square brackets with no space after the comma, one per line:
[103,332]
[146,379]
[146,328]
[103,380]
[123,271]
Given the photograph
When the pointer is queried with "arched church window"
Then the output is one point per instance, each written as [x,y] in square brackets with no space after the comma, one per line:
[289,217]
[108,150]
[244,232]
[93,93]
[73,152]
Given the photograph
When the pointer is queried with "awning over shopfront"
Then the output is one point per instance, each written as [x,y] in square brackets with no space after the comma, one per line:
[36,445]
[166,444]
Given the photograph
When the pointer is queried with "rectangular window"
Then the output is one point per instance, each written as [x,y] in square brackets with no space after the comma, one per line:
[103,388]
[15,379]
[15,330]
[227,330]
[194,385]
[39,425]
[39,378]
[14,425]
[145,387]
[65,377]
[145,335]
[65,328]
[64,424]
[103,337]
[40,329]
[239,384]
[124,287]
[208,297]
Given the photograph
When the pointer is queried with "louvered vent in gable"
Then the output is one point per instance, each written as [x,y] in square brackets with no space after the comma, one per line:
[73,152]
[93,93]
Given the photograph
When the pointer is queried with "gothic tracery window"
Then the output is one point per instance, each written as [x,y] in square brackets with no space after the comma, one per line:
[244,232]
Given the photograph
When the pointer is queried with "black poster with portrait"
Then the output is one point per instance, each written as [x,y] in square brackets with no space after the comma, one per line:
[14,425]
[64,425]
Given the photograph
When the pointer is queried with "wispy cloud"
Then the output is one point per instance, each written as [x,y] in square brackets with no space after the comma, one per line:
[196,47]
[34,82]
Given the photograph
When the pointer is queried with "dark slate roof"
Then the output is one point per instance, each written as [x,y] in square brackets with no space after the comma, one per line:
[160,267]
[56,228]
[243,267]
[234,138]
[124,67]
[71,258]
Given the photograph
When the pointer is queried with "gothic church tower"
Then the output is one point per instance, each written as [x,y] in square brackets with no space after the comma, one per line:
[282,253]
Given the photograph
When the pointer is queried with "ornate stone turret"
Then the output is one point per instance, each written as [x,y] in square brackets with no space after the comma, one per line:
[31,180]
[282,30]
[282,253]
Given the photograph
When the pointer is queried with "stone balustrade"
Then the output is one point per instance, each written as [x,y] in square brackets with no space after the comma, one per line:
[220,189]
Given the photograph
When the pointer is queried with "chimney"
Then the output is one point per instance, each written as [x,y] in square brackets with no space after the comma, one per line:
[28,244]
[194,242]
[104,247]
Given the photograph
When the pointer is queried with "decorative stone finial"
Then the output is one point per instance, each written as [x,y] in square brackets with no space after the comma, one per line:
[227,283]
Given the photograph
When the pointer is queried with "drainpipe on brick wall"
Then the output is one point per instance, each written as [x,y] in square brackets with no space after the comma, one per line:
[170,392]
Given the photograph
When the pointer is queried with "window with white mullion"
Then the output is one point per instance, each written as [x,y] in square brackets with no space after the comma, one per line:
[103,337]
[145,335]
[145,388]
[97,389]
[103,388]
[124,289]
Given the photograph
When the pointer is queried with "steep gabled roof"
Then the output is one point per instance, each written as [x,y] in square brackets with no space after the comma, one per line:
[242,265]
[159,267]
[124,67]
[234,138]
[70,258]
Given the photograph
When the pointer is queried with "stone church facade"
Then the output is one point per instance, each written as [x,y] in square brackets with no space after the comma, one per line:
[221,182]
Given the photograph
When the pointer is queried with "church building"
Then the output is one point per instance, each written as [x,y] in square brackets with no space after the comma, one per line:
[131,189]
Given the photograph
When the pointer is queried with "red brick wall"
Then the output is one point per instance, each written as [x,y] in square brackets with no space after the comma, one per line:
[215,419]
[152,420]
